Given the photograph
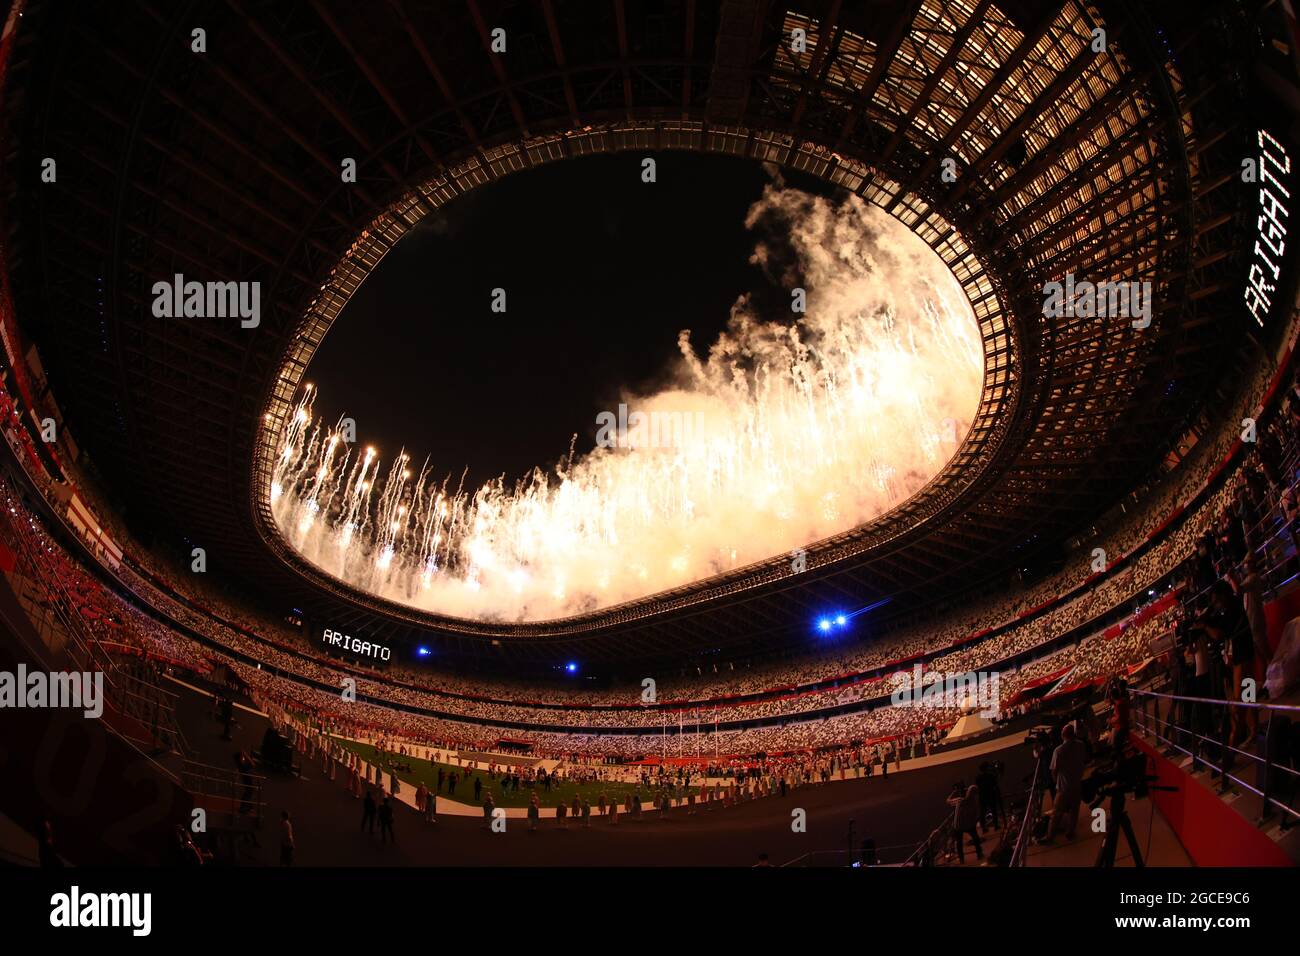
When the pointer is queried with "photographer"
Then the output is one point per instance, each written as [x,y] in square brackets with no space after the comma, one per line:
[1040,781]
[1184,685]
[965,819]
[1250,585]
[1203,650]
[1068,761]
[1120,718]
[990,796]
[1228,627]
[1201,573]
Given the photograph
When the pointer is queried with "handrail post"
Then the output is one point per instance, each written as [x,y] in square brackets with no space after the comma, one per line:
[1225,749]
[1269,778]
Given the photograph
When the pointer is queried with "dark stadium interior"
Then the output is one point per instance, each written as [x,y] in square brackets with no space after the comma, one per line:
[130,101]
[1110,553]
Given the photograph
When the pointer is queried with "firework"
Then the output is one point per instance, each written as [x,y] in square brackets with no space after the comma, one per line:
[797,427]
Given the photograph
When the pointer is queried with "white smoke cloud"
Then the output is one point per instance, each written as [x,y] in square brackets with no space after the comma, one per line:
[789,429]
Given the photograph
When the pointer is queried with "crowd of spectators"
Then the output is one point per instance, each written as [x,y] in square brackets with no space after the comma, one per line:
[1247,545]
[1233,524]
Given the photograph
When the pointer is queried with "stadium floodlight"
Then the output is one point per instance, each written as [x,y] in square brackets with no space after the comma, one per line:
[841,620]
[423,651]
[571,667]
[824,624]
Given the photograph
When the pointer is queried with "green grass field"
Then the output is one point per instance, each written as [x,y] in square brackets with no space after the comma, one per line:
[427,771]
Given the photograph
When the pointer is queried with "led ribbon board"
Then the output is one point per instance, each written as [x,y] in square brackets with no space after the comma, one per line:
[338,643]
[1273,206]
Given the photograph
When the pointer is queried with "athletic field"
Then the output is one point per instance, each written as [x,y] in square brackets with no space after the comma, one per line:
[427,771]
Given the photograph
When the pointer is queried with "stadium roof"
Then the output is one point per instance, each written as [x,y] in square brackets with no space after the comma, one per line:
[1111,155]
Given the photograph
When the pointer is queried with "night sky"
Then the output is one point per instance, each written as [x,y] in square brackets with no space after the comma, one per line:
[601,271]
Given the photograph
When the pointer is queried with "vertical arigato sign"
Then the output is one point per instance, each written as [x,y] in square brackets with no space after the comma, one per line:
[1273,185]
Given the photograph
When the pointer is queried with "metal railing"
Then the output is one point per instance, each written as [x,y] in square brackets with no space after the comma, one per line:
[230,798]
[931,850]
[1201,728]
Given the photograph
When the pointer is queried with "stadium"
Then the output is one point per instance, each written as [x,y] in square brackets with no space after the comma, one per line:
[649,433]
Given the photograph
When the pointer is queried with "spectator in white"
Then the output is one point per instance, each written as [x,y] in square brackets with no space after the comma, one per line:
[1067,769]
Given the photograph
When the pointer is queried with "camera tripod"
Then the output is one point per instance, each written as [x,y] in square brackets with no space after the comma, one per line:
[1119,822]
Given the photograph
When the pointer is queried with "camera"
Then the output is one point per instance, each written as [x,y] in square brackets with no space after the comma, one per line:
[1042,740]
[1123,773]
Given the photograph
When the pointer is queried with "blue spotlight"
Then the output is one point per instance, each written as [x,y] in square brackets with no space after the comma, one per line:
[842,619]
[571,667]
[423,651]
